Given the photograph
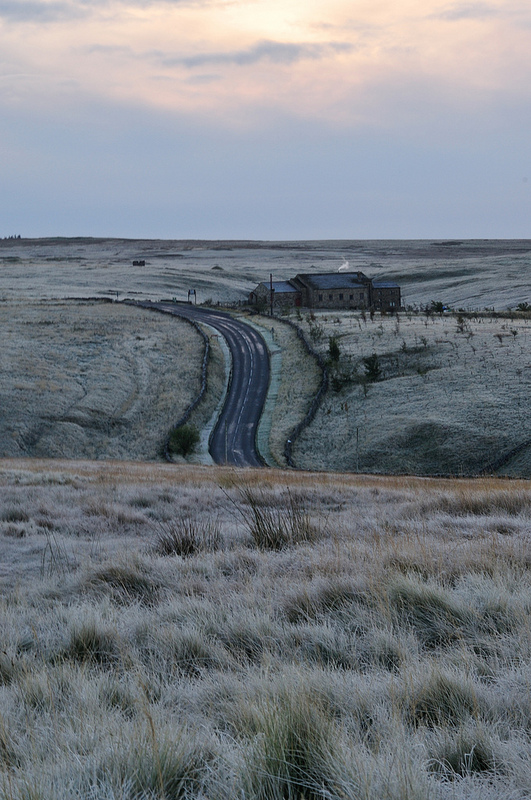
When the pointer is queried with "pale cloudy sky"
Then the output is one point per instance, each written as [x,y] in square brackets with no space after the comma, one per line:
[265,119]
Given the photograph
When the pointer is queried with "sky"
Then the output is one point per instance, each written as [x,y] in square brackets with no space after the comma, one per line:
[265,119]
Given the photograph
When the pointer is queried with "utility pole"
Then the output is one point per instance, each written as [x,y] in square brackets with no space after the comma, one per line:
[226,443]
[271,290]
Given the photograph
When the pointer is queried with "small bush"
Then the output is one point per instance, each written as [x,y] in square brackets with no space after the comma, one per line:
[333,349]
[372,368]
[183,440]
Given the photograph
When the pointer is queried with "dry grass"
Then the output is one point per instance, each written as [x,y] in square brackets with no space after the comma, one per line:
[388,657]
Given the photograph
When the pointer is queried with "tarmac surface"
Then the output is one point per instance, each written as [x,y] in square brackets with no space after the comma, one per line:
[233,439]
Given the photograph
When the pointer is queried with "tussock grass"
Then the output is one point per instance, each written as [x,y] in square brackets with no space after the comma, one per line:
[124,583]
[292,755]
[187,537]
[386,657]
[274,522]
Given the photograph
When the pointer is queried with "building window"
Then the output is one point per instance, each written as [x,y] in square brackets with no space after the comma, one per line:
[341,296]
[362,296]
[351,297]
[320,297]
[330,297]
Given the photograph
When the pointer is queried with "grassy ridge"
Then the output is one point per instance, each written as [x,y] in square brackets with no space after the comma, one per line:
[158,643]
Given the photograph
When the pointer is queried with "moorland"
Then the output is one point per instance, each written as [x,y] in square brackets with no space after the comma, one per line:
[182,631]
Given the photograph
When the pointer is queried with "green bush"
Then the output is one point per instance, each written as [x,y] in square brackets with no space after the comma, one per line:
[372,367]
[333,348]
[183,440]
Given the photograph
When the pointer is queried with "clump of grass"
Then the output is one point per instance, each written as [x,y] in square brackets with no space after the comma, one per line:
[323,645]
[167,766]
[187,536]
[483,503]
[126,584]
[188,652]
[7,669]
[464,753]
[441,699]
[435,617]
[292,754]
[91,644]
[382,649]
[141,501]
[14,514]
[325,597]
[273,523]
[55,557]
[116,694]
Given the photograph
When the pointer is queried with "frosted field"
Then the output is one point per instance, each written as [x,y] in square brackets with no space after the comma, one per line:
[450,404]
[161,640]
[452,397]
[93,380]
[469,274]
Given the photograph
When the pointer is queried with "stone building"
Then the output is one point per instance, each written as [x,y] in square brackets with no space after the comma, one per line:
[284,294]
[333,290]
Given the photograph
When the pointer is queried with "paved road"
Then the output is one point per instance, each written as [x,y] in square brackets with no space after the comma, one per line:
[233,440]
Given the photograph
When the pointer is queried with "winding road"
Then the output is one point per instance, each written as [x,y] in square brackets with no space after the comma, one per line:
[233,440]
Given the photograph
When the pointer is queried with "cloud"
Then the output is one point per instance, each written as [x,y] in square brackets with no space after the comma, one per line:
[35,11]
[467,11]
[266,50]
[42,11]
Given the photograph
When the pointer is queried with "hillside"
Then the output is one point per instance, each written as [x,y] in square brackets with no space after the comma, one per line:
[450,396]
[87,379]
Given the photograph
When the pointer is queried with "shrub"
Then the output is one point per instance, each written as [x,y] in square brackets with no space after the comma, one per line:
[333,349]
[372,367]
[183,440]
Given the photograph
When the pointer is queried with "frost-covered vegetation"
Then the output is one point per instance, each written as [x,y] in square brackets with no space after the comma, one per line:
[422,394]
[156,644]
[96,380]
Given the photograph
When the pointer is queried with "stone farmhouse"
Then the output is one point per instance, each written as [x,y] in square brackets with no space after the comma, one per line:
[351,290]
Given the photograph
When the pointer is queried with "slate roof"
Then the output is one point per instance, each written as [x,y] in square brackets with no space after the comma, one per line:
[280,287]
[334,280]
[385,285]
